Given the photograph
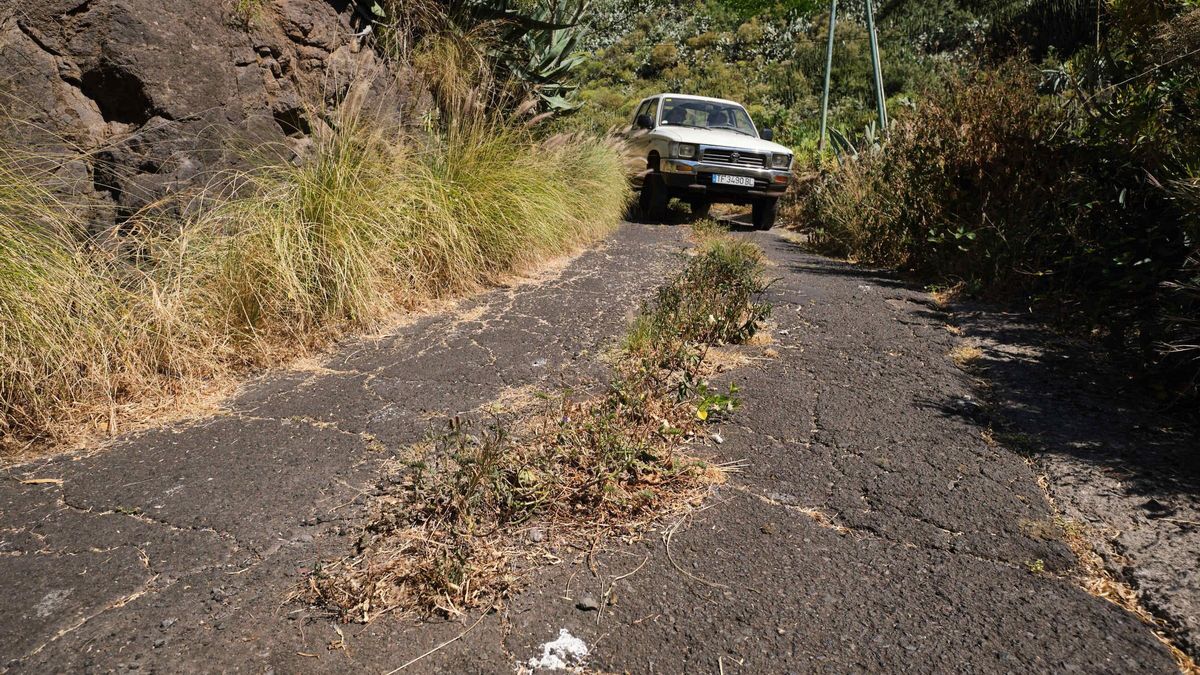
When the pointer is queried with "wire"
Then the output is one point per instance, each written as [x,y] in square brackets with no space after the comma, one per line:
[809,40]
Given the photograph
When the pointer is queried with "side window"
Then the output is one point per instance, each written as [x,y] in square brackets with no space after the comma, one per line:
[641,110]
[646,108]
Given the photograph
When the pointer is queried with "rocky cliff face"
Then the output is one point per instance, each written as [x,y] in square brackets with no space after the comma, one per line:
[147,98]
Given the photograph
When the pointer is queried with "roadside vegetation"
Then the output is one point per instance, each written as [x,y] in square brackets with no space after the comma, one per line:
[270,263]
[1068,184]
[446,537]
[768,56]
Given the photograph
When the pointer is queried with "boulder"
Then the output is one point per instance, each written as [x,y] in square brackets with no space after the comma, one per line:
[140,100]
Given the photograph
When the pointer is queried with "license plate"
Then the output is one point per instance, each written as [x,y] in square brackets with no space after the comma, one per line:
[743,181]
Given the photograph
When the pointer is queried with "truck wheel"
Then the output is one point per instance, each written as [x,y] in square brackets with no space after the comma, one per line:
[763,213]
[654,198]
[700,208]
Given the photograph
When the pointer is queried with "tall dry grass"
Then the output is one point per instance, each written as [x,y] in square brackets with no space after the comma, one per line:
[372,222]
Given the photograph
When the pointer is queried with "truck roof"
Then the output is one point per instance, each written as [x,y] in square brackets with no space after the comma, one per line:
[694,97]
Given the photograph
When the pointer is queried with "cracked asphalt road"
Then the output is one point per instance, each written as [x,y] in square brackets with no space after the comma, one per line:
[870,528]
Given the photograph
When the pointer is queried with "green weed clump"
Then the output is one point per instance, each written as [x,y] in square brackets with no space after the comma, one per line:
[244,13]
[730,271]
[440,541]
[281,261]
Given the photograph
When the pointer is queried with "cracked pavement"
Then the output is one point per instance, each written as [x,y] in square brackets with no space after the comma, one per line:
[870,526]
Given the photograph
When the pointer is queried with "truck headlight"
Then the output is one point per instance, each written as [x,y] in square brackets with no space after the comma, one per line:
[685,150]
[781,161]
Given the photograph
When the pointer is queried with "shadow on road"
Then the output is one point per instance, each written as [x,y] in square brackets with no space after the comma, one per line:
[814,264]
[1070,400]
[1052,394]
[1116,459]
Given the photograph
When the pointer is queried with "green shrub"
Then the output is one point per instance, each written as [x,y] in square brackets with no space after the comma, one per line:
[713,301]
[962,190]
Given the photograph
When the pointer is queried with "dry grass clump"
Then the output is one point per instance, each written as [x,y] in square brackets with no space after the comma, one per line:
[944,296]
[286,258]
[965,355]
[374,222]
[441,540]
[82,327]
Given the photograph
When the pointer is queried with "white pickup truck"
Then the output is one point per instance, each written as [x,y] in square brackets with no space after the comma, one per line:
[706,150]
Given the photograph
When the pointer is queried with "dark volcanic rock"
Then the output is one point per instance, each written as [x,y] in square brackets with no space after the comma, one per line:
[155,96]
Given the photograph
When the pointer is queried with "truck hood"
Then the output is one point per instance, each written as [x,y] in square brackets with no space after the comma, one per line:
[719,137]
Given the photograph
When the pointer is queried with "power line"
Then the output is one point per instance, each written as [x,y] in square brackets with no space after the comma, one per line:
[808,40]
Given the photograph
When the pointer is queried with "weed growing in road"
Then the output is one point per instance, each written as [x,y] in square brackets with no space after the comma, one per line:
[243,13]
[441,540]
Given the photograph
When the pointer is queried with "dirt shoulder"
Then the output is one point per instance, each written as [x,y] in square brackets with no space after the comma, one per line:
[871,525]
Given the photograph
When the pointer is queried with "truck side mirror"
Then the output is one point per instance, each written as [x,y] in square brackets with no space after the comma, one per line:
[644,122]
[766,134]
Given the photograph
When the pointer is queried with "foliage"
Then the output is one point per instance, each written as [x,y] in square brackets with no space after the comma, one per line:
[772,61]
[546,58]
[528,49]
[1073,188]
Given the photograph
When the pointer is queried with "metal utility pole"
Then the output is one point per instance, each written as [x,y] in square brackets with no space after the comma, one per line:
[828,72]
[879,102]
[876,71]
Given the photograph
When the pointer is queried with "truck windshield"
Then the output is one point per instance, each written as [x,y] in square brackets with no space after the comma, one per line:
[683,112]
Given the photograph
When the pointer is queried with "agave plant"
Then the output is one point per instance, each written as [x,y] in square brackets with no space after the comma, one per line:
[533,45]
[545,58]
[872,142]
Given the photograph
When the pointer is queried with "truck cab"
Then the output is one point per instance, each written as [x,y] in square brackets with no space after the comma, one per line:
[703,151]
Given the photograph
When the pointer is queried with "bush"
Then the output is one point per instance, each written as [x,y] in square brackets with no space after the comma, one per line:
[959,192]
[1019,197]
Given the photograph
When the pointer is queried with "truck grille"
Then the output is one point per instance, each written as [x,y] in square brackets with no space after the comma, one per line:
[733,158]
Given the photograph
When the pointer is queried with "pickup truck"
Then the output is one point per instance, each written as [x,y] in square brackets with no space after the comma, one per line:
[703,151]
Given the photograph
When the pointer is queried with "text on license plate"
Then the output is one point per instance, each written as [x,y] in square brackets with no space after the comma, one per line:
[744,181]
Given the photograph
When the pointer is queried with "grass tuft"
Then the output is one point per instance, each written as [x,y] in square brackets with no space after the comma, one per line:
[965,355]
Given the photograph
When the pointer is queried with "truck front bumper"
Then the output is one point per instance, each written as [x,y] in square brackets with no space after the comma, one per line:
[689,179]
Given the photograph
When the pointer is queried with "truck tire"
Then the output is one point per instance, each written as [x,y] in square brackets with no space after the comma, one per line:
[763,213]
[654,198]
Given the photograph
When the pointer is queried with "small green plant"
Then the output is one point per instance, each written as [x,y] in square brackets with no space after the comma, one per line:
[245,12]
